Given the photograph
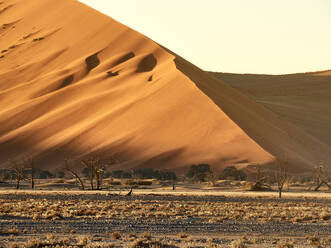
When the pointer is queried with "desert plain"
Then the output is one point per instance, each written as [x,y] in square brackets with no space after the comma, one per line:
[192,215]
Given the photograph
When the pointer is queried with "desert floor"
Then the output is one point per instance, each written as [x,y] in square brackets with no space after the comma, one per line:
[160,217]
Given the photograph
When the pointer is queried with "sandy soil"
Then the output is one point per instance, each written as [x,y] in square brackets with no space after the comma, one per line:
[177,192]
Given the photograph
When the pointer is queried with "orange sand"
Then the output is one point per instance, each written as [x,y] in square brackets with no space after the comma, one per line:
[73,80]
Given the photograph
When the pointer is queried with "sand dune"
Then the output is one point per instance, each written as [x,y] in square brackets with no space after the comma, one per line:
[321,73]
[302,99]
[73,81]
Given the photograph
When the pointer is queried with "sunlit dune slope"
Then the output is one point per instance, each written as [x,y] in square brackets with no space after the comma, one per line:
[302,99]
[74,81]
[320,73]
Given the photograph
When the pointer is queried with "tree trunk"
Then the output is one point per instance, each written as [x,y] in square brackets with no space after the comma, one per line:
[97,179]
[77,177]
[17,183]
[92,177]
[32,178]
[81,182]
[101,179]
[280,193]
[318,186]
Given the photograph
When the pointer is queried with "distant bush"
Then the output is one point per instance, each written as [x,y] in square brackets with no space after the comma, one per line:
[144,173]
[114,183]
[60,174]
[132,182]
[141,173]
[86,172]
[199,172]
[307,179]
[44,174]
[6,174]
[232,172]
[150,173]
[143,182]
[166,175]
[119,174]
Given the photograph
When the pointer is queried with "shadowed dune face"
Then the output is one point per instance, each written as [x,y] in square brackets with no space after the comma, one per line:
[273,132]
[92,62]
[125,58]
[302,99]
[147,64]
[92,84]
[67,81]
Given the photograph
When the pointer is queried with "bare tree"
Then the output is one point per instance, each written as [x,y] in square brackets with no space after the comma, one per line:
[281,175]
[29,163]
[97,163]
[320,177]
[92,162]
[72,172]
[105,162]
[18,167]
[3,175]
[212,179]
[260,181]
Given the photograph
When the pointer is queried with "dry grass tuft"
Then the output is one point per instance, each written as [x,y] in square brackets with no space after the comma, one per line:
[144,243]
[83,240]
[10,231]
[213,212]
[147,235]
[116,235]
[239,243]
[13,231]
[52,241]
[313,240]
[283,244]
[183,235]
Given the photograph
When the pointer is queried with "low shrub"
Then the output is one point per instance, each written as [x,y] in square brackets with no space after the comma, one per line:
[232,172]
[137,182]
[199,172]
[120,174]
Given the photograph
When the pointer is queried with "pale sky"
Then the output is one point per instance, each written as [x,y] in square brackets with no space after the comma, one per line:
[239,36]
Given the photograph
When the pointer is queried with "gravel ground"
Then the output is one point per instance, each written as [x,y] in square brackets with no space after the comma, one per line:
[160,226]
[158,197]
[192,226]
